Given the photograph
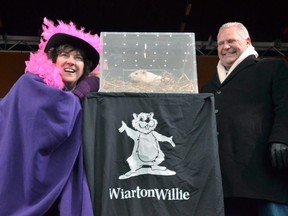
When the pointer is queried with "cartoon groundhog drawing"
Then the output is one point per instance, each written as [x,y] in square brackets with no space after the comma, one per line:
[146,150]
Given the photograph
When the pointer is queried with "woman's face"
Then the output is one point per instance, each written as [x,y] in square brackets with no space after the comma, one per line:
[72,67]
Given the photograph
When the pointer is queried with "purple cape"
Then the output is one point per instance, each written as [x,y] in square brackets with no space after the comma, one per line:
[41,157]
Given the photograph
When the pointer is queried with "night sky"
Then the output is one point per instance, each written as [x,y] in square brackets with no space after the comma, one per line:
[266,21]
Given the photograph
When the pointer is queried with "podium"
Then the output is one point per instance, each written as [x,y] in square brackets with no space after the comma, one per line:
[152,154]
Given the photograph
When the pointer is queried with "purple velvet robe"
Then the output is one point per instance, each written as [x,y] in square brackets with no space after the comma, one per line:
[41,157]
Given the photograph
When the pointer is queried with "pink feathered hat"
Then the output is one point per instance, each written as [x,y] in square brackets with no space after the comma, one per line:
[54,35]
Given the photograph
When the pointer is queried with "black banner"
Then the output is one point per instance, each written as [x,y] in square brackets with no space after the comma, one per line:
[152,154]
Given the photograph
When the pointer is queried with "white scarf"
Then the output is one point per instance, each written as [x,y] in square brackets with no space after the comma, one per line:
[223,73]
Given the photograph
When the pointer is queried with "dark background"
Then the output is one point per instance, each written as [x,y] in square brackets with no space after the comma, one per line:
[266,21]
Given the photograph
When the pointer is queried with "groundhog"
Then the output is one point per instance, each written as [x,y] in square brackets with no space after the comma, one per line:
[145,77]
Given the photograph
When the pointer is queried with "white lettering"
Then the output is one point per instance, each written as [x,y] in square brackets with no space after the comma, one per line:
[114,193]
[160,194]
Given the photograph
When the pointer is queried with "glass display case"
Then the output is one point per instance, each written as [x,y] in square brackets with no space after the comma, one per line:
[148,62]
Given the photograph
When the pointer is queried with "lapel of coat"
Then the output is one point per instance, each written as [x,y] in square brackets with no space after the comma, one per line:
[250,60]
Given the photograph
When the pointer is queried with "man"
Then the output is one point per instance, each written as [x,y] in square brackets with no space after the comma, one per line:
[251,99]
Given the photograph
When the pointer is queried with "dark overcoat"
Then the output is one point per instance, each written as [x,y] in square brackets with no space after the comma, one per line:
[252,112]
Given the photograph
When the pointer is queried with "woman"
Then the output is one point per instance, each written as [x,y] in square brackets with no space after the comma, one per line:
[41,159]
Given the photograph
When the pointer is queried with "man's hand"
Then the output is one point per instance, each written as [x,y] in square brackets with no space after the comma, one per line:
[279,155]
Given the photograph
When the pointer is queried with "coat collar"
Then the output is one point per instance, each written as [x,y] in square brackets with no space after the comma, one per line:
[248,61]
[223,73]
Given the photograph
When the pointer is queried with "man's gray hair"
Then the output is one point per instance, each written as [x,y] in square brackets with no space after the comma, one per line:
[243,32]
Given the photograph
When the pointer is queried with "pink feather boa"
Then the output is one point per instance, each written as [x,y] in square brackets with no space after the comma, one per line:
[40,64]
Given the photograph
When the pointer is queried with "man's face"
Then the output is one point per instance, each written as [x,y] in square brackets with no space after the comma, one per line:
[231,46]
